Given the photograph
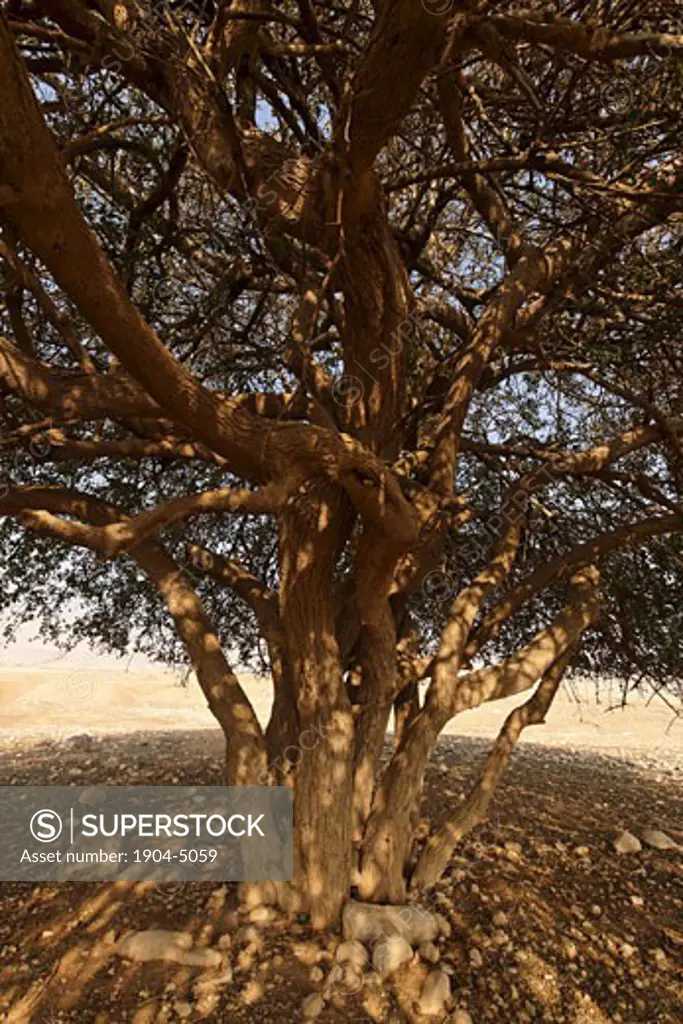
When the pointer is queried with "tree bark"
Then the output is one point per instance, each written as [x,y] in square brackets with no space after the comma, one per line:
[312,532]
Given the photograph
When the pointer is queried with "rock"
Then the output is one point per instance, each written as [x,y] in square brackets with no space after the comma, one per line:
[627,951]
[461,1017]
[248,935]
[262,915]
[429,952]
[436,993]
[390,954]
[316,975]
[659,957]
[500,919]
[626,842]
[637,901]
[174,947]
[658,840]
[570,950]
[596,910]
[312,1006]
[367,921]
[476,959]
[444,926]
[582,851]
[500,937]
[352,953]
[183,1010]
[211,982]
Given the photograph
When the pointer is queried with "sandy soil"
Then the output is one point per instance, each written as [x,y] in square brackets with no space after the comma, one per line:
[59,702]
[585,936]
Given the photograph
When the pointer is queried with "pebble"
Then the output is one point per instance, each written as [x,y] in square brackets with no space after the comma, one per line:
[476,959]
[352,952]
[312,1006]
[626,842]
[435,994]
[262,915]
[659,957]
[658,840]
[173,947]
[461,1017]
[429,952]
[391,954]
[500,919]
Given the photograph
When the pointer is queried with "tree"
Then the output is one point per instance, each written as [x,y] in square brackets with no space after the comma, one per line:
[350,336]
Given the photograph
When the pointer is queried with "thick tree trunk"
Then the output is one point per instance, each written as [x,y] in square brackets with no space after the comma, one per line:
[312,532]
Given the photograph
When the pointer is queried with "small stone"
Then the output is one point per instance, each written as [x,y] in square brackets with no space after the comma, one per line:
[183,1010]
[500,919]
[476,959]
[596,910]
[659,957]
[429,952]
[626,842]
[391,954]
[367,921]
[658,840]
[316,975]
[637,901]
[627,951]
[582,851]
[461,1017]
[248,935]
[436,993]
[312,1006]
[262,915]
[444,926]
[173,947]
[352,952]
[570,950]
[500,937]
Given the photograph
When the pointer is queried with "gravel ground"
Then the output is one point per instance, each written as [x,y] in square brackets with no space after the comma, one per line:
[548,923]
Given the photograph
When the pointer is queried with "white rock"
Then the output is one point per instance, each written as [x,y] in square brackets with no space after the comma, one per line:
[312,1006]
[476,959]
[174,947]
[183,1010]
[262,915]
[369,921]
[352,953]
[461,1017]
[429,952]
[211,982]
[444,926]
[658,840]
[626,842]
[500,919]
[390,954]
[435,994]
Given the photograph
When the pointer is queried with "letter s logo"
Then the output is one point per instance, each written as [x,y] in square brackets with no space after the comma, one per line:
[46,826]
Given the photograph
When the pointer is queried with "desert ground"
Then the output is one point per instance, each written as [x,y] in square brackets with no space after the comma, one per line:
[546,921]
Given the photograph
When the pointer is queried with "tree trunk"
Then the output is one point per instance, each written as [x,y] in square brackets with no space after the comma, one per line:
[312,531]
